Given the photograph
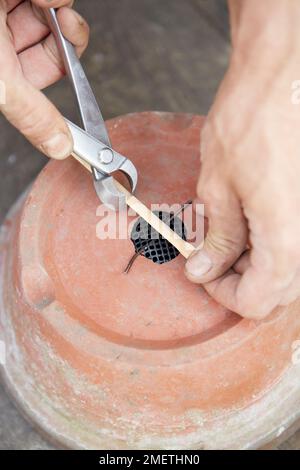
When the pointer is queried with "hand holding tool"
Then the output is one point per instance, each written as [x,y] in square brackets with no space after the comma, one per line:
[92,143]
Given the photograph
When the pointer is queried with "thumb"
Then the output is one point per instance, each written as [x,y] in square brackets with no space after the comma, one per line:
[226,238]
[36,118]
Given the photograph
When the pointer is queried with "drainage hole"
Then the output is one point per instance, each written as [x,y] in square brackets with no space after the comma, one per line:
[150,244]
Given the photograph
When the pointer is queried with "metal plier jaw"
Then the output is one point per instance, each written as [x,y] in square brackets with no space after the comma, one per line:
[104,162]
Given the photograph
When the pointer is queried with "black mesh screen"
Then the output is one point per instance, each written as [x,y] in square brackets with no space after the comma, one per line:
[151,244]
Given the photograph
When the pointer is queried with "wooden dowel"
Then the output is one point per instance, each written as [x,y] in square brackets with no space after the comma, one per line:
[185,248]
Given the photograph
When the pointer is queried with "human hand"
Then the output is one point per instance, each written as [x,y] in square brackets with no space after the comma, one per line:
[29,62]
[250,183]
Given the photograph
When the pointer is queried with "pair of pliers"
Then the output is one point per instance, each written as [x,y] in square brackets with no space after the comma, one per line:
[92,143]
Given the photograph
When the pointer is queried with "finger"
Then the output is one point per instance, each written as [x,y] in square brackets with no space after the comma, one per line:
[39,65]
[226,238]
[259,282]
[40,12]
[36,118]
[250,295]
[28,109]
[26,29]
[74,28]
[42,64]
[11,4]
[243,263]
[292,293]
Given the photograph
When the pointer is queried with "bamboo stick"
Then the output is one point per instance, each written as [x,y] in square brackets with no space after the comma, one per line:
[184,247]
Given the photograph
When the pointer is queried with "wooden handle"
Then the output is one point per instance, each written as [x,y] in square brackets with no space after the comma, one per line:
[185,248]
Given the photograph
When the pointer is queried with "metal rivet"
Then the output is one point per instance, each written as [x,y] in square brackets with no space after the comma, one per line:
[106,156]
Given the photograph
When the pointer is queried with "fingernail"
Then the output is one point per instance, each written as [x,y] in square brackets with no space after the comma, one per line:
[199,265]
[59,146]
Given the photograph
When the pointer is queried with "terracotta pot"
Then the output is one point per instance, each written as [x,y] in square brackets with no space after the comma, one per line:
[100,359]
